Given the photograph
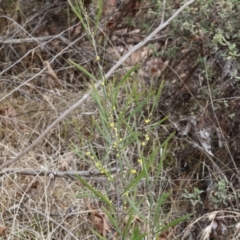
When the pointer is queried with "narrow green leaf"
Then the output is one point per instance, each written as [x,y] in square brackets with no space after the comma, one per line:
[99,13]
[140,176]
[159,204]
[139,107]
[136,209]
[139,237]
[102,197]
[83,70]
[97,234]
[136,235]
[157,97]
[174,222]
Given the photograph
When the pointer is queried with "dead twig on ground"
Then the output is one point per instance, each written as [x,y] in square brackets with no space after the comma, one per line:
[65,174]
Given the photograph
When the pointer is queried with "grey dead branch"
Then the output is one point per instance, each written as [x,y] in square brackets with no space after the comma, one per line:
[92,173]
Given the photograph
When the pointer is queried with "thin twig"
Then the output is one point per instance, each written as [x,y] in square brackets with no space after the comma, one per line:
[98,84]
[42,40]
[27,40]
[65,174]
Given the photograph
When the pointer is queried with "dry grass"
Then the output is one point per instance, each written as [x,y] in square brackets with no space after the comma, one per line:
[28,202]
[151,147]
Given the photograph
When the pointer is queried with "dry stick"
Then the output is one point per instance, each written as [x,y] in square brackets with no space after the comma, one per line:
[36,172]
[96,85]
[26,40]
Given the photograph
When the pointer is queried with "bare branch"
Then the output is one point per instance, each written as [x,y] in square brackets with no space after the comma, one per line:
[65,174]
[26,40]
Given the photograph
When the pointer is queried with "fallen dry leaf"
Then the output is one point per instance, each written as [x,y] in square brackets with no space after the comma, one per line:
[10,111]
[52,73]
[237,226]
[3,230]
[134,220]
[216,227]
[67,162]
[99,220]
